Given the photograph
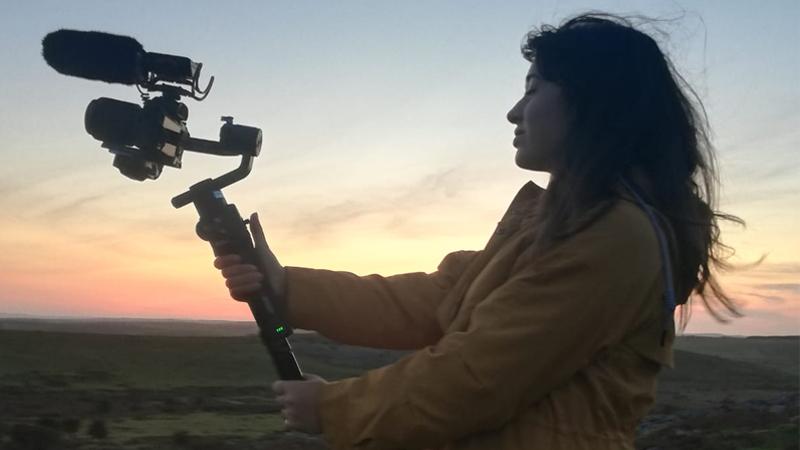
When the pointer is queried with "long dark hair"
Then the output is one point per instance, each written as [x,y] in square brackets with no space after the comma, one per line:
[631,115]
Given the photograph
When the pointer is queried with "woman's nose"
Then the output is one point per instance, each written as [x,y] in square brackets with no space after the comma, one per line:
[513,114]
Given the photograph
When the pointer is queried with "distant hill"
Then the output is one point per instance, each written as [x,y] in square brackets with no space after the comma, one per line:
[183,327]
[134,327]
[707,372]
[150,361]
[775,352]
[145,361]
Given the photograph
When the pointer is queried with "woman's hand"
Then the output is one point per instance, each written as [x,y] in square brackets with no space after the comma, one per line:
[243,279]
[299,400]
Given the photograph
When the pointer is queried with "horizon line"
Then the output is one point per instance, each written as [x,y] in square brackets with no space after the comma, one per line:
[7,316]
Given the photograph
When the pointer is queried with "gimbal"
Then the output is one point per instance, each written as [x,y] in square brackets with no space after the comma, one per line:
[145,138]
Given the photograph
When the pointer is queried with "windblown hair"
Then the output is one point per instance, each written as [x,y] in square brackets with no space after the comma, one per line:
[630,114]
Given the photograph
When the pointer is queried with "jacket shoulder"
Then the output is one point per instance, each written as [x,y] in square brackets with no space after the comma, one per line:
[622,235]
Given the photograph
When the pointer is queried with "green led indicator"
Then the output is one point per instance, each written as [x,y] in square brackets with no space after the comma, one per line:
[279,329]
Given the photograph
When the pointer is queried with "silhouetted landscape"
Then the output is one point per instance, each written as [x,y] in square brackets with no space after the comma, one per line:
[147,384]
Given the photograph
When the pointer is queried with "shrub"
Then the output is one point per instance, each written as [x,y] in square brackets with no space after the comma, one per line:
[71,425]
[180,438]
[98,429]
[48,422]
[35,437]
[103,406]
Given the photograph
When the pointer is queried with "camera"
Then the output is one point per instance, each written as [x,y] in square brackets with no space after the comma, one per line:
[143,139]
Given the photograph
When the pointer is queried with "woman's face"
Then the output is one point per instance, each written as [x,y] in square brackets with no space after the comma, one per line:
[542,118]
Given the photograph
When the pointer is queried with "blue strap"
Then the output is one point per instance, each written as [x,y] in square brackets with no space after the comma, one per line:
[669,295]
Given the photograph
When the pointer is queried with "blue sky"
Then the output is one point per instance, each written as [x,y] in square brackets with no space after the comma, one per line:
[386,144]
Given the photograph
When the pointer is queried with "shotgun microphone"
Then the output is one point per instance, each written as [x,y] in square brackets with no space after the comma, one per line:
[114,59]
[94,55]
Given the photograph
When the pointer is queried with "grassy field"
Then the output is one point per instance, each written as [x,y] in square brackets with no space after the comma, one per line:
[146,362]
[198,392]
[155,391]
[780,353]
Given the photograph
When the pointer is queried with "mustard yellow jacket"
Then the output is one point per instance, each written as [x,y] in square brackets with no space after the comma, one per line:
[561,352]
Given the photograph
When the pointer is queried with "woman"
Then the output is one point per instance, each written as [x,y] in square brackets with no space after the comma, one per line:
[553,335]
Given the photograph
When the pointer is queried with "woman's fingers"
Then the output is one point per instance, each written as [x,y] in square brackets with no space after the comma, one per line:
[242,279]
[238,270]
[259,239]
[243,285]
[221,262]
[245,279]
[248,282]
[241,294]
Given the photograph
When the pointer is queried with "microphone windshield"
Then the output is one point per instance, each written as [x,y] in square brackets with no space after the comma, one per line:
[95,55]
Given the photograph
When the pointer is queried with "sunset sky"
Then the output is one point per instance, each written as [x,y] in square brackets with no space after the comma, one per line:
[385,145]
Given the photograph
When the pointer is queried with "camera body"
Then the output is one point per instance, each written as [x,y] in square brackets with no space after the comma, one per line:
[146,138]
[143,139]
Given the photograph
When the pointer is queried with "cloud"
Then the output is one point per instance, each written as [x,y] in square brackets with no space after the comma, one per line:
[69,208]
[396,204]
[779,319]
[777,132]
[772,270]
[783,170]
[793,288]
[6,188]
[768,298]
[26,177]
[783,194]
[790,268]
[12,187]
[64,205]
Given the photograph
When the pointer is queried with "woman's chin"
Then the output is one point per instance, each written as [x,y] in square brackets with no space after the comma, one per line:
[525,161]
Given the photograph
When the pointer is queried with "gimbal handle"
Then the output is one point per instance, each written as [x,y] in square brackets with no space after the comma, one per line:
[221,225]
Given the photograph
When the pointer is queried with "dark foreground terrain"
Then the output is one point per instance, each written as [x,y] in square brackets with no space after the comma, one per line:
[164,385]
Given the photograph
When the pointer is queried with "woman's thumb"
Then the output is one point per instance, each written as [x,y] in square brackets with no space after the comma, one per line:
[257,232]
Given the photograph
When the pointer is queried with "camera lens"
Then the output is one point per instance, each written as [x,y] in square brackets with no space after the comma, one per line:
[137,168]
[113,121]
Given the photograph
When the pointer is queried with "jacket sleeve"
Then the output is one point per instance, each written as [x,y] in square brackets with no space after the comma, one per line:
[528,337]
[396,312]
